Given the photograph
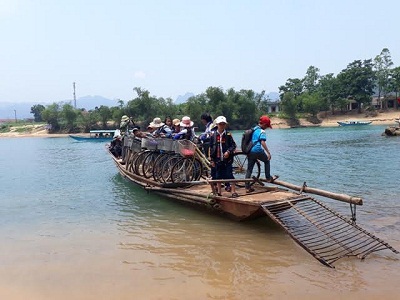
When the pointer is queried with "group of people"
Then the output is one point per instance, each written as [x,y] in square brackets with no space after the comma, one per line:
[218,144]
[222,148]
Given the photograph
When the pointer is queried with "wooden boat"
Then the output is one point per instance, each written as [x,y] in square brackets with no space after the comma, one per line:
[354,123]
[308,221]
[94,136]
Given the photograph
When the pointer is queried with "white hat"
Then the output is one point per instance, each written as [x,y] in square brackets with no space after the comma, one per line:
[124,118]
[186,122]
[220,119]
[156,123]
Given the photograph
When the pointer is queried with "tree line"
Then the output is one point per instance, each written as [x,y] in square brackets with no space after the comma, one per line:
[306,96]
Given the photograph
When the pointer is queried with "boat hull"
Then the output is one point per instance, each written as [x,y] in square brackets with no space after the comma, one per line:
[246,207]
[354,123]
[82,138]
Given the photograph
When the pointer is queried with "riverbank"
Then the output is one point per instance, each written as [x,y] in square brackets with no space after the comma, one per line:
[382,118]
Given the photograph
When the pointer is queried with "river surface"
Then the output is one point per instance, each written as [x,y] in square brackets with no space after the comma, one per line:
[72,228]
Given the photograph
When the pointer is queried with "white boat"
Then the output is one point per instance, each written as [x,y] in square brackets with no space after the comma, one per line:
[95,136]
[354,123]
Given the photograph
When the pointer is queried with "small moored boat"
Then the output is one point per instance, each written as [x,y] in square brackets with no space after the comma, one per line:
[94,136]
[354,123]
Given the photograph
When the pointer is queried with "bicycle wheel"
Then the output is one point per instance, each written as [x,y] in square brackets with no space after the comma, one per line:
[198,170]
[183,170]
[139,162]
[158,164]
[131,162]
[148,164]
[167,167]
[239,168]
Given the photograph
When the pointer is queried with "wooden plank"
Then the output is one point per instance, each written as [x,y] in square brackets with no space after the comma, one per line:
[306,189]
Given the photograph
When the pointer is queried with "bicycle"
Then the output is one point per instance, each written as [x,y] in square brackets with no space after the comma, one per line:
[192,165]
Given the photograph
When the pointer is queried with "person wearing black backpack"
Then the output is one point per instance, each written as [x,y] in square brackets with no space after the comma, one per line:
[259,151]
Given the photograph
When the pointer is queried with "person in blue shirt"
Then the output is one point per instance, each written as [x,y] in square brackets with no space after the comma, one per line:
[259,151]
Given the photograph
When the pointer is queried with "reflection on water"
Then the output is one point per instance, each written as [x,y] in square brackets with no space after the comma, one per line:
[73,228]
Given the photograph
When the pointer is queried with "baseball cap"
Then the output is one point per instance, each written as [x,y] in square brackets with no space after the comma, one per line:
[266,121]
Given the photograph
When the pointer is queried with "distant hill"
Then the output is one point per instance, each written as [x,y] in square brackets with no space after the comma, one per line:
[23,110]
[91,102]
[182,99]
[20,110]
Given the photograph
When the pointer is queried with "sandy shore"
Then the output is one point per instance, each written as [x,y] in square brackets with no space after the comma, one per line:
[385,118]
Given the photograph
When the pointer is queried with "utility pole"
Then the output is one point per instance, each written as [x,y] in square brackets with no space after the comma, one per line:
[15,115]
[73,84]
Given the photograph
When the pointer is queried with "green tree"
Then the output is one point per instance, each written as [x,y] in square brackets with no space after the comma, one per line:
[382,64]
[216,97]
[312,104]
[357,81]
[51,116]
[104,114]
[310,81]
[330,92]
[395,84]
[246,106]
[68,117]
[293,85]
[289,104]
[37,110]
[194,107]
[87,120]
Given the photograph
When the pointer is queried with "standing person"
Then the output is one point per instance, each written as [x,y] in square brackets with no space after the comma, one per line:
[205,136]
[124,128]
[259,151]
[116,145]
[222,149]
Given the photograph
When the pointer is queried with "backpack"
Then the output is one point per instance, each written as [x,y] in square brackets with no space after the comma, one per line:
[247,142]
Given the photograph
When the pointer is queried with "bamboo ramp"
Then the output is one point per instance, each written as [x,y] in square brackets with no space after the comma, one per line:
[322,232]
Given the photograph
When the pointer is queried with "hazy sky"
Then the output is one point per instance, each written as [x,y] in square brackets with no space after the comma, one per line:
[173,47]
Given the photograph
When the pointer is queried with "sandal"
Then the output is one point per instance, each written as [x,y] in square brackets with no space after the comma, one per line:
[272,179]
[250,190]
[235,195]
